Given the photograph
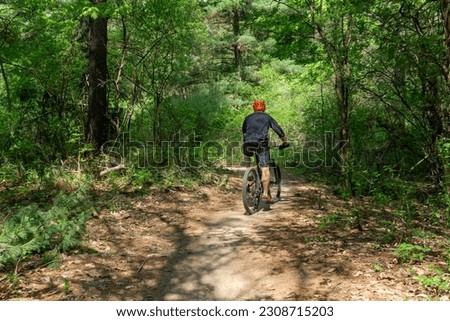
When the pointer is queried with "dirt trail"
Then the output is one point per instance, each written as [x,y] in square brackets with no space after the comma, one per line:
[182,245]
[227,260]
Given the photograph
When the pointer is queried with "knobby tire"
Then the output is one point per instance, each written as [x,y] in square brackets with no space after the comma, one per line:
[251,190]
[275,182]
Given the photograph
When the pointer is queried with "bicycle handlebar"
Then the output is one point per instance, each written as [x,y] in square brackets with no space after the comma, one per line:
[280,147]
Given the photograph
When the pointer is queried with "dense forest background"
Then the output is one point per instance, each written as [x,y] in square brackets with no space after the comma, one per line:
[158,90]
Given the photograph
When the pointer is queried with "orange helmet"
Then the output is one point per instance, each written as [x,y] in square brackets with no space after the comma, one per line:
[259,105]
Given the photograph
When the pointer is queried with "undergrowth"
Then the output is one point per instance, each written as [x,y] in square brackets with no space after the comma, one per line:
[410,217]
[46,212]
[36,230]
[134,178]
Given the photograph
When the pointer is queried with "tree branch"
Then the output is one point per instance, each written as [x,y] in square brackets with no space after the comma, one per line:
[112,169]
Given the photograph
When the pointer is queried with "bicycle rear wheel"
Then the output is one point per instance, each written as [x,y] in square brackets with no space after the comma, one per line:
[251,190]
[275,182]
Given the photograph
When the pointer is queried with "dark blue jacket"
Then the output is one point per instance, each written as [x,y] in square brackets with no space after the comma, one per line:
[256,127]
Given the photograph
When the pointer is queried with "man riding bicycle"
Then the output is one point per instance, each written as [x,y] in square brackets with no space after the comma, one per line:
[256,140]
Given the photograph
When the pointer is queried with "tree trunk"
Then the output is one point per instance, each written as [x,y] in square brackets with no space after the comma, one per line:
[446,18]
[342,92]
[97,123]
[446,109]
[237,46]
[8,91]
[435,118]
[157,126]
[338,56]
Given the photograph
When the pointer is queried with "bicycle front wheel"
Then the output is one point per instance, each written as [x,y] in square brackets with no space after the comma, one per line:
[251,190]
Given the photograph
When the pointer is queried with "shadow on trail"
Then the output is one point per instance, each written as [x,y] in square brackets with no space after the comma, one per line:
[193,267]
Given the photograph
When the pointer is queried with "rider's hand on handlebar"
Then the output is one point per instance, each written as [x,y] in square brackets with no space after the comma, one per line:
[284,143]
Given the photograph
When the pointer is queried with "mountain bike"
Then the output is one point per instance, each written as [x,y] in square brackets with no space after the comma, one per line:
[252,189]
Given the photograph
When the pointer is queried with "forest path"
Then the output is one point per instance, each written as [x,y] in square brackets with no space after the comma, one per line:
[184,245]
[227,257]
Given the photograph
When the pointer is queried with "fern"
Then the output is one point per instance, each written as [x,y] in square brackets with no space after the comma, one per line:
[32,230]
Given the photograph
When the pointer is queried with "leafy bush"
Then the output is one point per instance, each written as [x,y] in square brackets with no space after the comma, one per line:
[444,153]
[32,230]
[439,281]
[411,253]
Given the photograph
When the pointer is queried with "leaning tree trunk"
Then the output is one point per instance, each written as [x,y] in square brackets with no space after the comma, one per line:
[97,123]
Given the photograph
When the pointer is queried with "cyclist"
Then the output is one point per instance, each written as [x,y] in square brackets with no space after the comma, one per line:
[256,140]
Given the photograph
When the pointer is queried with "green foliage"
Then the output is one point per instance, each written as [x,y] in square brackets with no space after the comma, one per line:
[439,281]
[33,230]
[172,70]
[67,286]
[51,259]
[378,267]
[13,279]
[142,177]
[443,146]
[183,75]
[411,253]
[37,80]
[10,173]
[336,220]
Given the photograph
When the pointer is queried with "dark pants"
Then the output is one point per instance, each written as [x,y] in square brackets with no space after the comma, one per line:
[259,150]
